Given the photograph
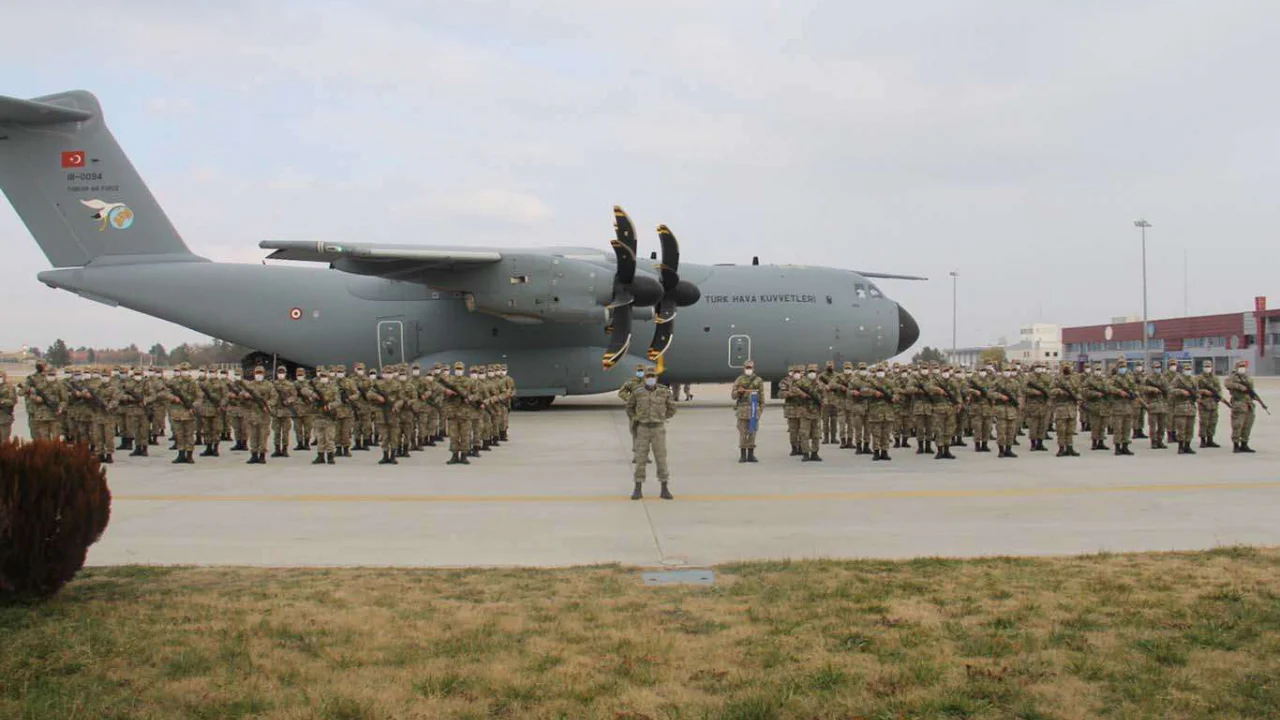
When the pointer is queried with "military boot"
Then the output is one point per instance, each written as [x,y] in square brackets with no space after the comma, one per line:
[795,449]
[178,460]
[1235,447]
[806,457]
[208,451]
[636,494]
[1211,443]
[277,452]
[187,459]
[1062,452]
[462,459]
[1009,451]
[319,459]
[928,446]
[217,450]
[1139,435]
[1126,450]
[386,458]
[920,447]
[814,457]
[1071,450]
[1102,445]
[124,444]
[1172,436]
[742,455]
[946,453]
[503,436]
[328,458]
[1187,444]
[174,445]
[1244,447]
[666,494]
[751,455]
[453,459]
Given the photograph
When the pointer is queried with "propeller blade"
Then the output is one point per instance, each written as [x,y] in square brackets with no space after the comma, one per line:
[662,336]
[624,246]
[670,267]
[619,338]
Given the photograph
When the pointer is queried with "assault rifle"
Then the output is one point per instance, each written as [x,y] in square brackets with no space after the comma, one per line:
[266,407]
[45,398]
[1216,396]
[1033,385]
[93,397]
[1253,395]
[1069,392]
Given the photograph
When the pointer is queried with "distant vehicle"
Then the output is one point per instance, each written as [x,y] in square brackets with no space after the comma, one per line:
[561,317]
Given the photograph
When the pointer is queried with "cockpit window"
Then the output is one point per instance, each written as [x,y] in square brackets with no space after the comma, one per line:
[860,291]
[875,291]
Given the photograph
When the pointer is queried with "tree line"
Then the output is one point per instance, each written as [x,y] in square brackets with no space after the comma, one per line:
[217,352]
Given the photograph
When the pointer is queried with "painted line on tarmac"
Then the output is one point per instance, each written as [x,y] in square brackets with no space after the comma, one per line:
[771,497]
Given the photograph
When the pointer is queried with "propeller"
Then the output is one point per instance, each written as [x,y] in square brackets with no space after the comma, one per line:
[624,249]
[632,290]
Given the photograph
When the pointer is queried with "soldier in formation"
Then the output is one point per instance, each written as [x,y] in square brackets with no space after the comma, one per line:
[204,406]
[652,405]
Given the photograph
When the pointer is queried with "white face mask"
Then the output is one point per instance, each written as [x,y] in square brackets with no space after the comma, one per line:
[1242,371]
[201,375]
[982,373]
[1042,370]
[324,381]
[1139,369]
[417,373]
[1008,374]
[795,376]
[1123,371]
[880,374]
[848,371]
[1188,372]
[457,373]
[475,376]
[748,372]
[259,378]
[137,377]
[1088,371]
[650,382]
[946,375]
[813,376]
[281,376]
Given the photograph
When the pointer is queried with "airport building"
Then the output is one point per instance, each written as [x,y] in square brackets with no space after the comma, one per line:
[1221,339]
[1038,342]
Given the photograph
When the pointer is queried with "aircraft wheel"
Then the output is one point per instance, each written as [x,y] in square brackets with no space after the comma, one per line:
[541,402]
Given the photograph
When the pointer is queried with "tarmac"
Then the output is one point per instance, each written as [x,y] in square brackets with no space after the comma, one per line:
[557,495]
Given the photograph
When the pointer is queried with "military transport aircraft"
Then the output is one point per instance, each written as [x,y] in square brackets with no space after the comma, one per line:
[560,317]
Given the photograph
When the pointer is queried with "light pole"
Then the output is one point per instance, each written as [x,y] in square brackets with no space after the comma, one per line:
[1142,224]
[954,275]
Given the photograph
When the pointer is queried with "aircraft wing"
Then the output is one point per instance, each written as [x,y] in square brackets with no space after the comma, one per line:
[398,256]
[889,276]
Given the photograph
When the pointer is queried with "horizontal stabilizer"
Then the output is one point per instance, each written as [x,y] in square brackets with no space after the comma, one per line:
[889,276]
[14,111]
[304,251]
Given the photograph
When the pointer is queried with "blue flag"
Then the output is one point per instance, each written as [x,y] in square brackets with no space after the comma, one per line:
[755,412]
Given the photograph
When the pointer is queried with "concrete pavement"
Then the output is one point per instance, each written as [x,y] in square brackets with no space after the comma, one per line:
[557,495]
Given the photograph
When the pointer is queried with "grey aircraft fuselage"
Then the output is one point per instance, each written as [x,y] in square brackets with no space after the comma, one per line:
[774,315]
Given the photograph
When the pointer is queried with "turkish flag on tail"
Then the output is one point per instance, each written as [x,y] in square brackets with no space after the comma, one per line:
[73,158]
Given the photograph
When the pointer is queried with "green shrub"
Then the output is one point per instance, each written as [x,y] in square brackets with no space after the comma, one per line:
[54,504]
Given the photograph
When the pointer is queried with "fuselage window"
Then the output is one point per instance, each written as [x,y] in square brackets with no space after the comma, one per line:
[875,291]
[860,291]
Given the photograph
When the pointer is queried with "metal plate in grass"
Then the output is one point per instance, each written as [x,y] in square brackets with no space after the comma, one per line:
[679,577]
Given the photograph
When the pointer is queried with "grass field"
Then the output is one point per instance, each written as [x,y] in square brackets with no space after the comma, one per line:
[1194,635]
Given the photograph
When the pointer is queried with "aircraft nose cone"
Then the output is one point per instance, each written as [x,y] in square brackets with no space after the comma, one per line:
[908,330]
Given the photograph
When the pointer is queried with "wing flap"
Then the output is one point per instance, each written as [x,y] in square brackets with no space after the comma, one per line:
[304,251]
[888,276]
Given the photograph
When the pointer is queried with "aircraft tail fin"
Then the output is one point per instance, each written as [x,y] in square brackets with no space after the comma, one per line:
[74,188]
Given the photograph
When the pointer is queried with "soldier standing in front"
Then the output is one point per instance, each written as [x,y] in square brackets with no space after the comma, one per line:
[1210,396]
[748,397]
[1243,396]
[652,405]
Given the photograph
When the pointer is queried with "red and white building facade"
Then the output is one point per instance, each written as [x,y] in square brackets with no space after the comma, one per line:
[1223,339]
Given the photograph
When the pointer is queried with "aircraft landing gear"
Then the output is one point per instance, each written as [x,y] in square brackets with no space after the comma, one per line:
[541,402]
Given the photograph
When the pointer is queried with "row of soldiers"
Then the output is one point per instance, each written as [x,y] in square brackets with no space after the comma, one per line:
[400,408]
[865,407]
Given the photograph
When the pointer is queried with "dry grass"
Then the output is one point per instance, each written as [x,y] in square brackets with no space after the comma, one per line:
[1160,636]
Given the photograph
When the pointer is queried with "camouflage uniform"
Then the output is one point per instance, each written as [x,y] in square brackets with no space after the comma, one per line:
[386,401]
[831,402]
[1210,396]
[8,406]
[652,405]
[876,394]
[323,395]
[419,394]
[104,407]
[509,388]
[282,414]
[361,409]
[810,395]
[346,425]
[305,420]
[1097,398]
[943,411]
[1125,397]
[624,394]
[746,388]
[1183,393]
[209,411]
[157,412]
[1004,401]
[45,402]
[1036,410]
[791,406]
[1065,393]
[1155,387]
[182,393]
[977,389]
[134,401]
[457,388]
[1242,411]
[260,400]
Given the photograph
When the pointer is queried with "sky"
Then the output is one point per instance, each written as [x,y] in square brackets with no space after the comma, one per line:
[1011,142]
